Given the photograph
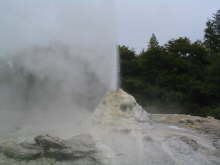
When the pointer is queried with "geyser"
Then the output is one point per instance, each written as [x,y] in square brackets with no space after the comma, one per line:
[57,59]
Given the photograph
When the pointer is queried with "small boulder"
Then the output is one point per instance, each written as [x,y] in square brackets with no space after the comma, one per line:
[47,142]
[21,151]
[79,147]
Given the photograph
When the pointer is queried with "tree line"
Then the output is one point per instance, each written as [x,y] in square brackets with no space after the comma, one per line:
[179,77]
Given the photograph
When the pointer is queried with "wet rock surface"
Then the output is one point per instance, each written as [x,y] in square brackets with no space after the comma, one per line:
[137,137]
[79,148]
[48,142]
[191,142]
[21,152]
[208,125]
[123,133]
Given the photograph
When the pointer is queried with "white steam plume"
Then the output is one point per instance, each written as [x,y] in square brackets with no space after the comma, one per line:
[58,58]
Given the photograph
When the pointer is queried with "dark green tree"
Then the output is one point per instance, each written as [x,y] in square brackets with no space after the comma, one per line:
[212,33]
[179,47]
[153,42]
[129,69]
[180,73]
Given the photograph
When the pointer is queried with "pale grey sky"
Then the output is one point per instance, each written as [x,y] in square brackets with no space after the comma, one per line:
[138,19]
[25,23]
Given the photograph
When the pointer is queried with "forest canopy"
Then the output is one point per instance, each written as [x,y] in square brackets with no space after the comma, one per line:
[180,76]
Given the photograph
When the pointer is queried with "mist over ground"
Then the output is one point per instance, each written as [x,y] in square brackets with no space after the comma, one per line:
[57,60]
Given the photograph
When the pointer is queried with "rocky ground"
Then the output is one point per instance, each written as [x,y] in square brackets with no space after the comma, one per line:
[209,125]
[122,133]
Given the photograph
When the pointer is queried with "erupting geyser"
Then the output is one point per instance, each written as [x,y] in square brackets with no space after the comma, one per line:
[57,59]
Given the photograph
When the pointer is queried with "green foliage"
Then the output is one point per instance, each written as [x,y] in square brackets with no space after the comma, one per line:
[179,74]
[212,33]
[129,68]
[179,47]
[153,43]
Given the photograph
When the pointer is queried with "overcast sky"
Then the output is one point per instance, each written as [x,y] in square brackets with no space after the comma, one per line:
[138,19]
[87,23]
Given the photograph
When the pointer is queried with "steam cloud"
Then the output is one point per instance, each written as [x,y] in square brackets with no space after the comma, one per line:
[57,59]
